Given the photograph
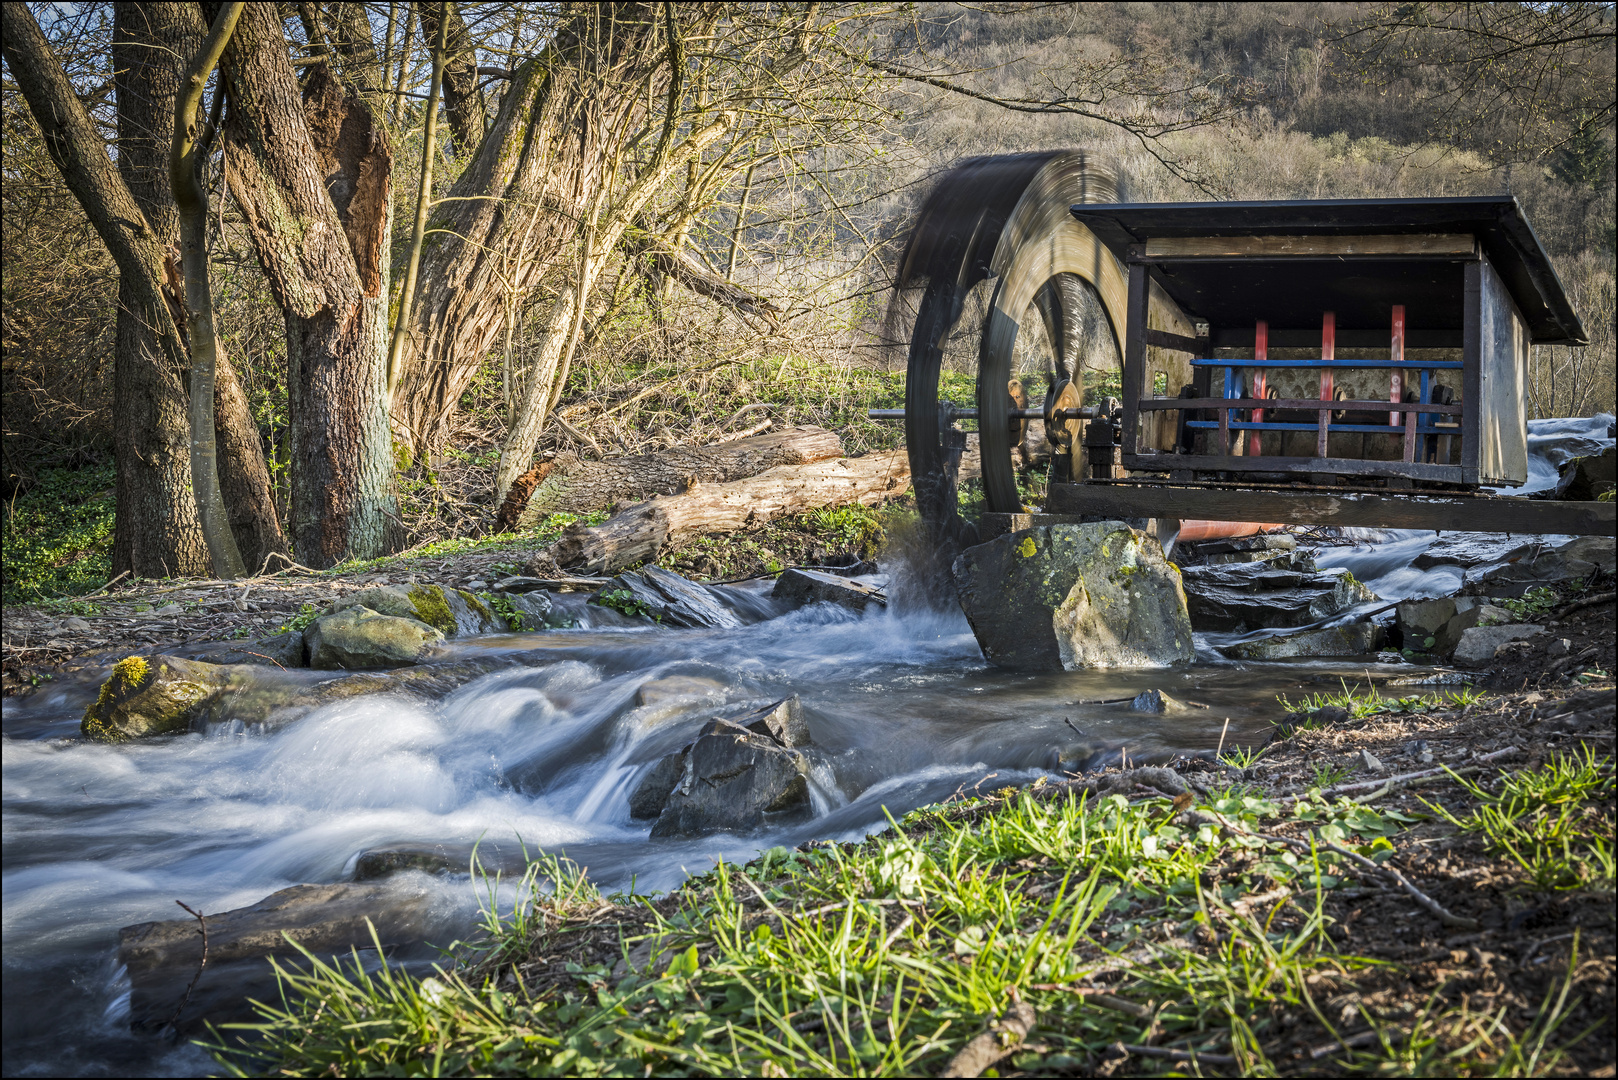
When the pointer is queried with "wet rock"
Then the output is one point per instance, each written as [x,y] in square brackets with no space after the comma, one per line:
[1585,478]
[1479,644]
[1473,549]
[162,957]
[733,780]
[665,597]
[677,688]
[1282,592]
[650,795]
[780,724]
[158,695]
[1155,701]
[356,638]
[782,721]
[452,612]
[1576,558]
[539,612]
[1241,549]
[375,863]
[1350,639]
[1072,597]
[815,586]
[279,650]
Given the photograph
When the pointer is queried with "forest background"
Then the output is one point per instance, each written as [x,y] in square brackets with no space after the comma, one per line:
[608,229]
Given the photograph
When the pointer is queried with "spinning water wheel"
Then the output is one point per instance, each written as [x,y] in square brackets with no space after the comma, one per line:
[1016,292]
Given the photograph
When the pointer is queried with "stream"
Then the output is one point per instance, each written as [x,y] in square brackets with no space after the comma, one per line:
[901,706]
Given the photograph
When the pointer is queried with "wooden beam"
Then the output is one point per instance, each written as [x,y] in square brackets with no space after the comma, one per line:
[1248,247]
[1480,514]
[1196,346]
[1444,474]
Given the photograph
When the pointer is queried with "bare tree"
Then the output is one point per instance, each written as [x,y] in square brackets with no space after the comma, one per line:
[1516,81]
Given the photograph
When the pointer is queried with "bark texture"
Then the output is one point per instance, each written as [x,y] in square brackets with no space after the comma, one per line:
[578,487]
[311,172]
[640,532]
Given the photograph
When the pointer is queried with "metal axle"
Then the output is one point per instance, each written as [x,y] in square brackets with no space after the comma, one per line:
[1011,414]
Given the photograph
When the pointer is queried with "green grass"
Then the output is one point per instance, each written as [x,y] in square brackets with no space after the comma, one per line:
[58,535]
[1369,702]
[1555,823]
[885,958]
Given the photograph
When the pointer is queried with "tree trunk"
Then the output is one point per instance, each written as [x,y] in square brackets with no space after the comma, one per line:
[578,487]
[156,532]
[187,153]
[312,175]
[462,99]
[151,42]
[642,531]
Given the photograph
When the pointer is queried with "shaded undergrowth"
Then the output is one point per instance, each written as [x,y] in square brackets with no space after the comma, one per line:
[1145,939]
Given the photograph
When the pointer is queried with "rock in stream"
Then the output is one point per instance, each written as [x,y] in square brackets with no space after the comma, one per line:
[1070,597]
[1285,591]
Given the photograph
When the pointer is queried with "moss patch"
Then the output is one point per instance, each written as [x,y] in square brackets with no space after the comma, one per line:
[432,608]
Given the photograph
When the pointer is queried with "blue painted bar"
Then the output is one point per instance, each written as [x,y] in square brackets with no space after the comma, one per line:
[1370,429]
[1424,365]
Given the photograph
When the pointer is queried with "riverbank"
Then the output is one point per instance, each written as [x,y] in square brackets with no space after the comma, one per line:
[1412,886]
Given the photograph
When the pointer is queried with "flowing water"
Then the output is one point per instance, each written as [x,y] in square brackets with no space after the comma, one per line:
[902,709]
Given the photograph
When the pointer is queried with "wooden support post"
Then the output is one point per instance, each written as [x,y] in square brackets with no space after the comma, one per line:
[1397,393]
[1134,355]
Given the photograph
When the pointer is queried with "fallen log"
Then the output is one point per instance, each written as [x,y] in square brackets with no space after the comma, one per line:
[575,486]
[640,532]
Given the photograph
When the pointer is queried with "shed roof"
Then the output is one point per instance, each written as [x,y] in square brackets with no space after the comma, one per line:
[1496,220]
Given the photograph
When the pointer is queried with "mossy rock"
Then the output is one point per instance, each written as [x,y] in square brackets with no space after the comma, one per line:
[452,612]
[158,695]
[358,638]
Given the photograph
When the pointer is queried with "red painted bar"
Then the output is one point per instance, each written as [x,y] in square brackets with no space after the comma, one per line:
[1398,353]
[1261,351]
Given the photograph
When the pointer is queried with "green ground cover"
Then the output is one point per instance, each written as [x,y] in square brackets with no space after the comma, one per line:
[1181,944]
[58,535]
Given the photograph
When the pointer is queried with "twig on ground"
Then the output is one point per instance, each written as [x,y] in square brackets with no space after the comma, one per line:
[1180,1055]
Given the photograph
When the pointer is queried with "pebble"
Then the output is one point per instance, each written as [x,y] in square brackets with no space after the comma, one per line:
[75,624]
[1369,762]
[475,586]
[1559,647]
[168,609]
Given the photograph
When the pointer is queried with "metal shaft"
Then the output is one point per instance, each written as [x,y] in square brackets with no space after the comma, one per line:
[972,414]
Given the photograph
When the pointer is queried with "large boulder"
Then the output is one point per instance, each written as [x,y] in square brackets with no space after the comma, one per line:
[1537,566]
[452,612]
[537,612]
[356,638]
[157,695]
[1467,615]
[163,957]
[732,779]
[816,586]
[665,597]
[1282,592]
[1465,549]
[1074,596]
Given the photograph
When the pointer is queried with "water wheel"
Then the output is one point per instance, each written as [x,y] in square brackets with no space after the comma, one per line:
[1008,289]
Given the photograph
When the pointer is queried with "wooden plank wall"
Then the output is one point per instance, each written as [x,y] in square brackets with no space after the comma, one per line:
[1502,384]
